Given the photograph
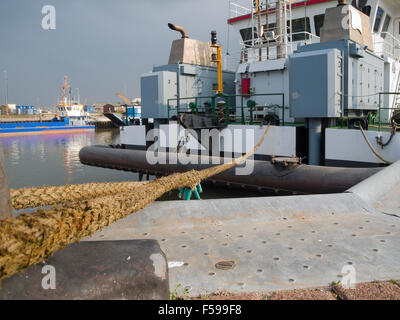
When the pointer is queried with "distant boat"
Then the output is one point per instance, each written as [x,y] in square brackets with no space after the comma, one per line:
[68,107]
[71,117]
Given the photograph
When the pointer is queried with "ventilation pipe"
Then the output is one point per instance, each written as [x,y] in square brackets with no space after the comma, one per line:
[179,29]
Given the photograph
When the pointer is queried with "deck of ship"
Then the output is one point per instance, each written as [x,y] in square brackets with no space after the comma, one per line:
[275,243]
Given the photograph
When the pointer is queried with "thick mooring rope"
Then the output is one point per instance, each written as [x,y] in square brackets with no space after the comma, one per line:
[31,238]
[376,153]
[45,196]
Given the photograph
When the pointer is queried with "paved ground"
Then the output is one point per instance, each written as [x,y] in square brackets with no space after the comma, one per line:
[267,244]
[26,118]
[278,244]
[386,290]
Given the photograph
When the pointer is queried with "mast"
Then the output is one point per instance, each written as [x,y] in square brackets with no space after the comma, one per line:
[267,24]
[257,11]
[279,28]
[6,85]
[65,87]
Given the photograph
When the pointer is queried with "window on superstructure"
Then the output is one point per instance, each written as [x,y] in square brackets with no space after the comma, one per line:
[247,36]
[378,19]
[359,4]
[319,22]
[301,29]
[366,10]
[386,25]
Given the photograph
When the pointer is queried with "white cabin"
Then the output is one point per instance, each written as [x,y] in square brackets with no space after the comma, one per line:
[261,63]
[71,110]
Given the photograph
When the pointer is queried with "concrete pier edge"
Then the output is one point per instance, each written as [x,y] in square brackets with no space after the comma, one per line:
[378,185]
[125,269]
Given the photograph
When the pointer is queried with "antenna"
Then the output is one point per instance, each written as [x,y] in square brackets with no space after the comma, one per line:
[65,87]
[227,40]
[6,85]
[79,96]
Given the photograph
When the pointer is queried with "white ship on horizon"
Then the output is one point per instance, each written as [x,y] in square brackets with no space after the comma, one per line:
[68,107]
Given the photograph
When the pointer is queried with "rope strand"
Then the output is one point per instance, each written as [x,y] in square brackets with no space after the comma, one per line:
[31,238]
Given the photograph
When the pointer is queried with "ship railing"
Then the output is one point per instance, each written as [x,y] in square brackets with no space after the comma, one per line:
[387,45]
[305,37]
[237,9]
[232,108]
[385,112]
[250,48]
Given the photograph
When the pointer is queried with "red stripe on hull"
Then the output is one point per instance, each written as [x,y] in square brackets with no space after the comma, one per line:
[8,134]
[294,5]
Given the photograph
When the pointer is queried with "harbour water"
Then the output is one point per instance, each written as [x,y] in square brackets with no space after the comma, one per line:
[50,160]
[38,160]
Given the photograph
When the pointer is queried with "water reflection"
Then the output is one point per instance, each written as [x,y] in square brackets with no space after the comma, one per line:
[40,160]
[54,159]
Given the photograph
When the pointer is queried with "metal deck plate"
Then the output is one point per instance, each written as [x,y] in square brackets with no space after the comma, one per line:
[276,243]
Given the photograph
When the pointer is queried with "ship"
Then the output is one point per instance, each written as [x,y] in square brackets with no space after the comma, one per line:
[323,76]
[70,118]
[68,107]
[327,105]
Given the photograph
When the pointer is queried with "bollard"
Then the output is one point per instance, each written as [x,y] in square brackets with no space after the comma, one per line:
[186,193]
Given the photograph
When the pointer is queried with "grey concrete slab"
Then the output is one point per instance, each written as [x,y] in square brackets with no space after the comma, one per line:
[135,269]
[276,243]
[389,202]
[380,185]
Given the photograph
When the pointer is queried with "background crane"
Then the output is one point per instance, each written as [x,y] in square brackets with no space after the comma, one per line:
[124,98]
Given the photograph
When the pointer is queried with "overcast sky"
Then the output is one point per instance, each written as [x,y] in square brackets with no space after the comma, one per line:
[102,46]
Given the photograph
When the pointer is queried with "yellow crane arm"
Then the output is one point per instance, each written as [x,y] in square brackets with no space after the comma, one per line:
[123,98]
